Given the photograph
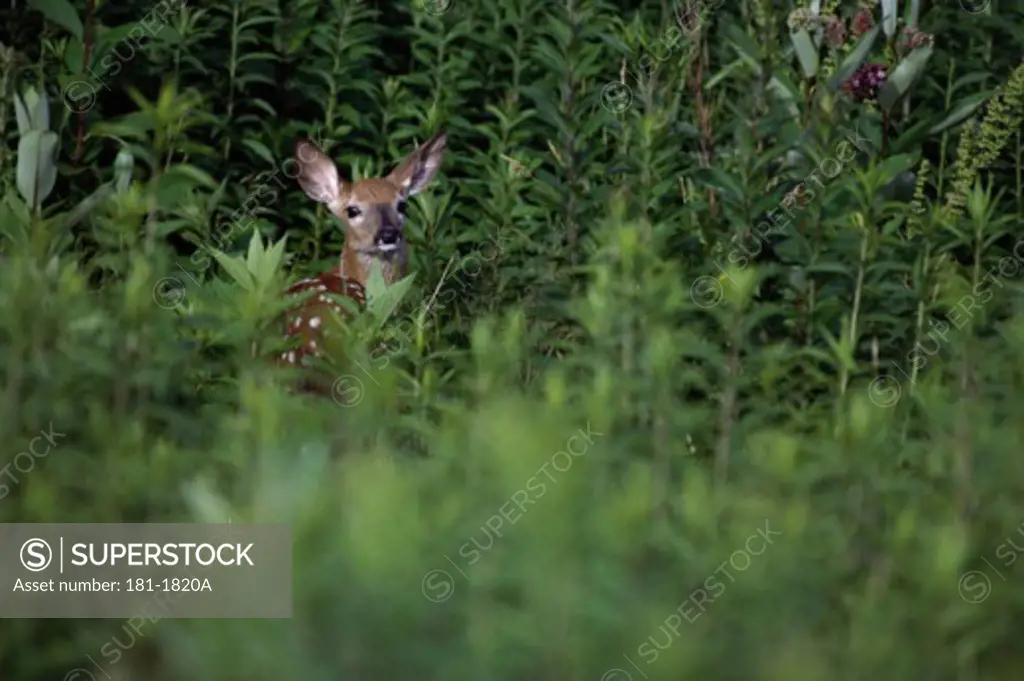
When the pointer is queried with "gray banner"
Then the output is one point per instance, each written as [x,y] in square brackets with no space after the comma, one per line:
[145,570]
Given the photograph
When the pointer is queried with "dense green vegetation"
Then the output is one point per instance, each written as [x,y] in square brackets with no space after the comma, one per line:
[711,366]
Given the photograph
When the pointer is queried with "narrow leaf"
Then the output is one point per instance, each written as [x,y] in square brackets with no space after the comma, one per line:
[383,305]
[61,13]
[806,52]
[21,110]
[962,111]
[255,256]
[889,17]
[40,114]
[903,77]
[37,171]
[236,268]
[87,205]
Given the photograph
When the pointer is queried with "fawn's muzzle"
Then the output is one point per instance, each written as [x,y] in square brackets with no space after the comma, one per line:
[388,238]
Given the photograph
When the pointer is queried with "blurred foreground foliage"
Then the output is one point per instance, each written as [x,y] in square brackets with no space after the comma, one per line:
[759,308]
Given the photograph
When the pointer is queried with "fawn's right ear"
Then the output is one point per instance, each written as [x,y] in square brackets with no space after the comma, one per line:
[318,176]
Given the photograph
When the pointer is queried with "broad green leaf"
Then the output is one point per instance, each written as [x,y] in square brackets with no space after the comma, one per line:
[854,60]
[78,213]
[912,13]
[236,268]
[806,52]
[73,55]
[255,256]
[784,91]
[260,150]
[271,261]
[61,13]
[889,17]
[744,45]
[22,106]
[381,299]
[889,169]
[37,168]
[40,112]
[962,111]
[899,82]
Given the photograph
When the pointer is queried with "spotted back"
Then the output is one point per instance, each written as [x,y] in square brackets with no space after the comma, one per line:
[307,322]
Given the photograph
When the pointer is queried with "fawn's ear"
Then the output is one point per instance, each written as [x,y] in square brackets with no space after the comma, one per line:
[318,176]
[419,167]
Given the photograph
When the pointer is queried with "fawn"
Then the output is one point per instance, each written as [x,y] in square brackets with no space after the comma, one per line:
[373,212]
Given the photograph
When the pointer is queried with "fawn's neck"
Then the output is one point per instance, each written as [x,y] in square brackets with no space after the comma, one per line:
[355,265]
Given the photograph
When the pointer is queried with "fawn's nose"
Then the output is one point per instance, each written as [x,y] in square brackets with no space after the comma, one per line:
[388,236]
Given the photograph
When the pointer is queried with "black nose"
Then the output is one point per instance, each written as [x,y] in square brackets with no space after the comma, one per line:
[388,235]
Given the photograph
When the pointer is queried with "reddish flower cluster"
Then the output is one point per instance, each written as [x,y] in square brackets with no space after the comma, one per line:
[865,82]
[916,38]
[863,22]
[835,32]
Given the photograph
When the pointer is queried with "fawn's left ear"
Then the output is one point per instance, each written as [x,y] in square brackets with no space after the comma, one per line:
[419,167]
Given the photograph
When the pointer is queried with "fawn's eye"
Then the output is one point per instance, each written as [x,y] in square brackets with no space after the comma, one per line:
[353,212]
[402,207]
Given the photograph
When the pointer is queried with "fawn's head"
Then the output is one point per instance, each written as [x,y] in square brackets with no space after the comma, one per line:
[372,210]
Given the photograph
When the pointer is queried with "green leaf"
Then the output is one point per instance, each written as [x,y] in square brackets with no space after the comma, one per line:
[73,55]
[889,17]
[962,111]
[236,268]
[37,169]
[889,169]
[271,261]
[903,77]
[806,52]
[87,205]
[260,150]
[381,299]
[375,284]
[744,45]
[913,11]
[22,104]
[854,60]
[40,113]
[783,89]
[255,256]
[61,13]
